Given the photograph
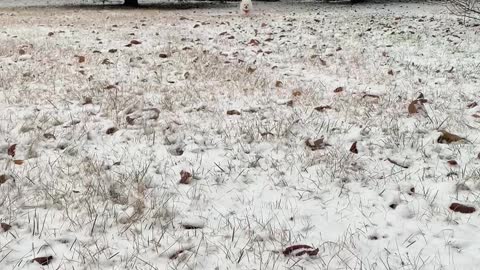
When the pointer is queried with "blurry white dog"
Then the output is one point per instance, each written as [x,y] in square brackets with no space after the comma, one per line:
[246,7]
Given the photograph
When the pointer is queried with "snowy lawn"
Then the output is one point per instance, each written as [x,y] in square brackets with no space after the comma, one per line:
[201,139]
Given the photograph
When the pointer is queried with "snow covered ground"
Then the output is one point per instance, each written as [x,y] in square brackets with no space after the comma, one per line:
[192,139]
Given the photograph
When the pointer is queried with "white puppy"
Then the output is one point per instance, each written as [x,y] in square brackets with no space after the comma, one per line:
[246,7]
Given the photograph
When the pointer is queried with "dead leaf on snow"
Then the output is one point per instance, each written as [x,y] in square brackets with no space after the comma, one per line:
[354,148]
[461,208]
[253,42]
[12,150]
[81,58]
[316,144]
[339,89]
[447,137]
[323,108]
[49,136]
[452,162]
[233,112]
[300,250]
[5,227]
[43,260]
[185,177]
[472,105]
[135,42]
[3,178]
[111,130]
[416,106]
[87,100]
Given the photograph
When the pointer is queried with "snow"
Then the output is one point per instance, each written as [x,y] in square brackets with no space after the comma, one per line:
[94,180]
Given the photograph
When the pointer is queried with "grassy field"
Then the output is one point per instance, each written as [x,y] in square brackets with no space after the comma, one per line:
[202,139]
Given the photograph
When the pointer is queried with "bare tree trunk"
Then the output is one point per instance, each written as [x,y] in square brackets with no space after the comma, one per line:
[131,3]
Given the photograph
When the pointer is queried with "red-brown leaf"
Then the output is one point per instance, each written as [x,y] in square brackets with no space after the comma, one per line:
[12,150]
[5,227]
[81,59]
[353,148]
[338,90]
[3,178]
[18,162]
[185,177]
[452,162]
[254,42]
[461,208]
[44,260]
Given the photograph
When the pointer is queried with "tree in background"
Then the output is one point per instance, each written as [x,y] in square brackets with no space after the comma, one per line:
[466,8]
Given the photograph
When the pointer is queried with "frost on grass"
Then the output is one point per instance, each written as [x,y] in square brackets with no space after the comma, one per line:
[313,136]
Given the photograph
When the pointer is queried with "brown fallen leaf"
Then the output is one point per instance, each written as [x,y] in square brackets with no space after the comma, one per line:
[3,178]
[296,93]
[11,150]
[18,162]
[317,144]
[354,148]
[81,58]
[111,130]
[233,112]
[452,162]
[299,250]
[472,105]
[49,136]
[43,260]
[448,137]
[416,106]
[323,108]
[87,100]
[5,227]
[339,89]
[185,177]
[253,42]
[130,120]
[461,208]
